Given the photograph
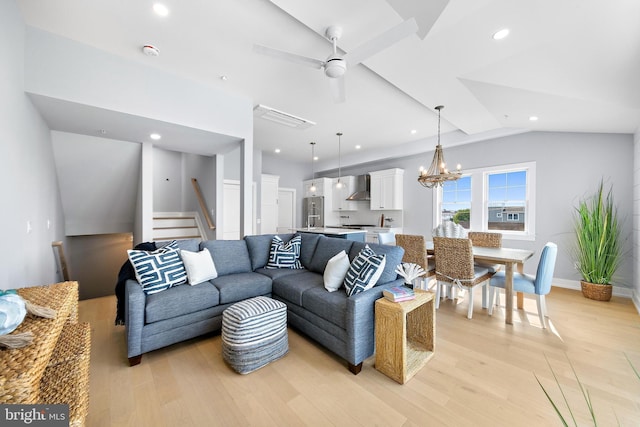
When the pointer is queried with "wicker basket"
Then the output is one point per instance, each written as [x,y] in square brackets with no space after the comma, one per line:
[596,291]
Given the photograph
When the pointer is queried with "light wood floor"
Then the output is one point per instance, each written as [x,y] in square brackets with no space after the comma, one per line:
[482,374]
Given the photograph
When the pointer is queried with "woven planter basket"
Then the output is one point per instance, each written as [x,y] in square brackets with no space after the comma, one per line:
[596,291]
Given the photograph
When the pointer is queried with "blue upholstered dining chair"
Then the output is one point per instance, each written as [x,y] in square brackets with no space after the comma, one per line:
[540,284]
[387,238]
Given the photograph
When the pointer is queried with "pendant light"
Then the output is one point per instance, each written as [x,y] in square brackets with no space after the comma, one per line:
[339,183]
[313,173]
[438,173]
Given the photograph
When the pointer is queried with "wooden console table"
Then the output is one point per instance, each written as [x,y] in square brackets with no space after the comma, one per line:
[55,367]
[405,335]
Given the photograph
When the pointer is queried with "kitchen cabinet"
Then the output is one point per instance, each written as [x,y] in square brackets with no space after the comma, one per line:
[372,232]
[387,189]
[323,187]
[340,202]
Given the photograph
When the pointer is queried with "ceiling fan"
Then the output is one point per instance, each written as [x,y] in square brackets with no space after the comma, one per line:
[335,66]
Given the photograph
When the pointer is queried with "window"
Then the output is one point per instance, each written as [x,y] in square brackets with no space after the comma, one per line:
[500,198]
[507,194]
[456,201]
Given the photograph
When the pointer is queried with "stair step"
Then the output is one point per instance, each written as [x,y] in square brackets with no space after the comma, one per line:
[177,227]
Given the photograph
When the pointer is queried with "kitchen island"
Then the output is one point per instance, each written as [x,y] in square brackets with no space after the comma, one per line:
[340,233]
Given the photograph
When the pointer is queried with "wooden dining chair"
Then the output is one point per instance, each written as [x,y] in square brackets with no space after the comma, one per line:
[455,267]
[451,229]
[486,240]
[415,251]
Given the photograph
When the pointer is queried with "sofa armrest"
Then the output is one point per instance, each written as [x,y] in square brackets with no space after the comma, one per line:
[135,301]
[361,321]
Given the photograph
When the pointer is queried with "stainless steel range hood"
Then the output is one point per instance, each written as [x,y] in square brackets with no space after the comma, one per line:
[363,185]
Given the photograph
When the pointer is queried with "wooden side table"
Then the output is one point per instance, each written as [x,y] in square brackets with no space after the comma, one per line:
[405,335]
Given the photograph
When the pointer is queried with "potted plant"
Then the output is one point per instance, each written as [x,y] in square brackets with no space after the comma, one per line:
[598,250]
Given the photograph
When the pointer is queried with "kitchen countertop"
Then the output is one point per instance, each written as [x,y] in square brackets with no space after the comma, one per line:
[327,230]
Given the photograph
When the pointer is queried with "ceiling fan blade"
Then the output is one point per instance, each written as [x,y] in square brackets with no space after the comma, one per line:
[337,89]
[381,42]
[292,57]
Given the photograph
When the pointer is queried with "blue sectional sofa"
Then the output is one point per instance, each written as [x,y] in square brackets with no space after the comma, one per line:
[342,324]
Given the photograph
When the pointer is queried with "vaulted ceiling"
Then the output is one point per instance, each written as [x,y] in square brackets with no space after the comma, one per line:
[573,64]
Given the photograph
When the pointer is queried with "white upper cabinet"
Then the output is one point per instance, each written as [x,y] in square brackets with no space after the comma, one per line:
[387,189]
[323,187]
[340,202]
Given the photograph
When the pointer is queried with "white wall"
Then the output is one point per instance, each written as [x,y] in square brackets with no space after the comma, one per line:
[29,188]
[98,182]
[636,219]
[568,167]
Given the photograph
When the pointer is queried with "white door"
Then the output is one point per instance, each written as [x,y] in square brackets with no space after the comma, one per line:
[231,210]
[286,209]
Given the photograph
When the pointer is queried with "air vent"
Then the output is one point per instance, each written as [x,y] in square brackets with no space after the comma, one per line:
[281,117]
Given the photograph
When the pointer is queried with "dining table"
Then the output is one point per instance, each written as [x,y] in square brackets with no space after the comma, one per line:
[509,257]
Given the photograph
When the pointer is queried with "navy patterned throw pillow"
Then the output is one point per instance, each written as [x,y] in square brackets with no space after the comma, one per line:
[158,270]
[364,271]
[285,255]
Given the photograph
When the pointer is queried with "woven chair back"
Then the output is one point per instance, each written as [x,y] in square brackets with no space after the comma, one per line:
[415,249]
[485,239]
[449,229]
[454,259]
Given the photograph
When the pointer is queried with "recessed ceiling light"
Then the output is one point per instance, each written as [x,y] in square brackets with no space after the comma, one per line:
[315,158]
[358,147]
[413,131]
[102,131]
[160,9]
[533,118]
[499,35]
[277,150]
[155,136]
[224,78]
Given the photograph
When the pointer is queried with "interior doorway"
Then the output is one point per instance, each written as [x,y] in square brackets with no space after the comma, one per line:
[286,209]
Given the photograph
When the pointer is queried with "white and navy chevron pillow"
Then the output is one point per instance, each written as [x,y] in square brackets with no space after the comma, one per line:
[364,271]
[158,270]
[285,255]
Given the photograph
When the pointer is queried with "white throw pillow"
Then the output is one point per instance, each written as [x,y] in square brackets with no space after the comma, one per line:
[199,266]
[335,271]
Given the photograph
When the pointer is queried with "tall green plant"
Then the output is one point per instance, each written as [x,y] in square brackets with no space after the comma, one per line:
[598,250]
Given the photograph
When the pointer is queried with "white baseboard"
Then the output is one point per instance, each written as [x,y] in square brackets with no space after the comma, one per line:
[575,284]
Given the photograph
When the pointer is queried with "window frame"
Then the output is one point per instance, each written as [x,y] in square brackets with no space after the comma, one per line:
[480,203]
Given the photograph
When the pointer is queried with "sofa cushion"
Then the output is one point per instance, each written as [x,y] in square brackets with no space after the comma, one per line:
[259,247]
[180,300]
[364,272]
[326,249]
[229,256]
[394,256]
[276,273]
[192,245]
[308,247]
[292,286]
[331,306]
[285,254]
[240,286]
[199,266]
[158,270]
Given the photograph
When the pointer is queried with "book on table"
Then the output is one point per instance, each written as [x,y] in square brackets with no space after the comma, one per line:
[399,293]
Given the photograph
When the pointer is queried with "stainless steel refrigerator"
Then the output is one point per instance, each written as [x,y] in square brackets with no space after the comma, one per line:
[313,211]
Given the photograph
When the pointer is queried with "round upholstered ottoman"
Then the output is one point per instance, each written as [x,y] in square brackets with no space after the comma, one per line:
[254,333]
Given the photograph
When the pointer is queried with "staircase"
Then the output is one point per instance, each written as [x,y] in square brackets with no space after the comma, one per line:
[177,226]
